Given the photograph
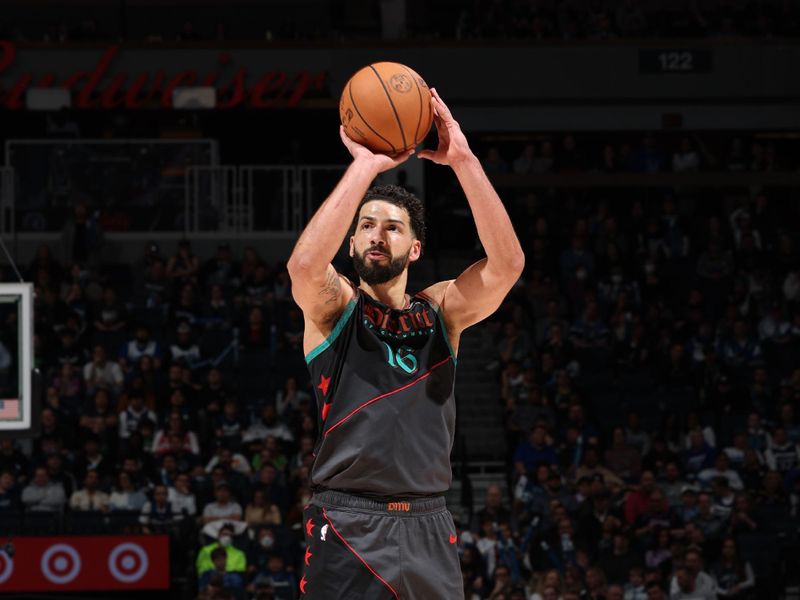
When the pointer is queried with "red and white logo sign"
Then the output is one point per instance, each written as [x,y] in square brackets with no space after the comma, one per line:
[102,563]
[60,563]
[6,566]
[128,562]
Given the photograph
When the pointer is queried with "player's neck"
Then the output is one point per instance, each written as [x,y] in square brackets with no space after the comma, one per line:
[392,293]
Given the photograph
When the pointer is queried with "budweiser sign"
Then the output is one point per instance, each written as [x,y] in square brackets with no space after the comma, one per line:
[107,87]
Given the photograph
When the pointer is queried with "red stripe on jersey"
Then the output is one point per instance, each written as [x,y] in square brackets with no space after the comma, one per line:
[376,398]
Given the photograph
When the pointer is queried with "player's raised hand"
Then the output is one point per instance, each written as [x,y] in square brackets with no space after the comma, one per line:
[453,146]
[381,162]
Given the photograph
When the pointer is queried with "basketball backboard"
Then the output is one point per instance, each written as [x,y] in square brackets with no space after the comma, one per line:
[18,384]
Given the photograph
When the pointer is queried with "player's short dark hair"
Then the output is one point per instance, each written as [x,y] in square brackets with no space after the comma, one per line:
[401,197]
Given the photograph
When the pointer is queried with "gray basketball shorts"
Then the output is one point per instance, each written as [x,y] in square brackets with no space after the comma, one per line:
[361,549]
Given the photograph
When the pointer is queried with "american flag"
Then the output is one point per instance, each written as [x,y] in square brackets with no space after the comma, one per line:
[9,408]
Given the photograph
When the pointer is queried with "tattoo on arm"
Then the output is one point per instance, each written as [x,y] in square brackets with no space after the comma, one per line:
[332,289]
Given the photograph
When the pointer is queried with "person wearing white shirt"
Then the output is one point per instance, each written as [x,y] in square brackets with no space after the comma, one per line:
[135,412]
[227,458]
[690,582]
[125,496]
[181,496]
[224,507]
[102,373]
[721,468]
[89,498]
[267,426]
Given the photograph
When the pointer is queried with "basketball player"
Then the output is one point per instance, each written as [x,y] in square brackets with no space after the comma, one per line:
[383,364]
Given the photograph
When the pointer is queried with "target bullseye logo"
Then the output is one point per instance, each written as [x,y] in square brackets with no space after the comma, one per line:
[128,562]
[6,566]
[61,563]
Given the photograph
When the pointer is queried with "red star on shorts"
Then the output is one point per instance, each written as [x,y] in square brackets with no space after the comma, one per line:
[324,382]
[325,408]
[303,585]
[309,527]
[308,555]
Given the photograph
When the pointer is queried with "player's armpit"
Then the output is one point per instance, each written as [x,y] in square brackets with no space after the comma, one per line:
[475,294]
[322,297]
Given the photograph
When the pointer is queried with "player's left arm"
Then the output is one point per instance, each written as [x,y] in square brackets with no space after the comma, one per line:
[481,288]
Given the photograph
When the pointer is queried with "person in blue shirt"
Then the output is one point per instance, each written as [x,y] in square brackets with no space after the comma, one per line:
[534,452]
[231,580]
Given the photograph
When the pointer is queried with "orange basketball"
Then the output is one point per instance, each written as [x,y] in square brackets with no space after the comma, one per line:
[386,107]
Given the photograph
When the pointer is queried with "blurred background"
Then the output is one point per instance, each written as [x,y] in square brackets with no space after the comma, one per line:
[627,421]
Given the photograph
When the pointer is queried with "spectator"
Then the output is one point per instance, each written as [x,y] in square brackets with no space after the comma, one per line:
[236,560]
[43,495]
[228,580]
[141,345]
[184,349]
[216,312]
[699,455]
[555,548]
[549,580]
[657,517]
[535,451]
[183,266]
[685,158]
[89,498]
[690,581]
[711,523]
[268,426]
[187,440]
[494,511]
[100,419]
[523,164]
[181,497]
[733,576]
[290,397]
[260,511]
[102,373]
[592,468]
[721,468]
[596,514]
[109,320]
[494,163]
[9,494]
[93,459]
[229,426]
[14,460]
[223,508]
[782,455]
[595,583]
[158,515]
[277,577]
[125,495]
[637,502]
[589,332]
[230,460]
[133,414]
[622,459]
[58,474]
[220,271]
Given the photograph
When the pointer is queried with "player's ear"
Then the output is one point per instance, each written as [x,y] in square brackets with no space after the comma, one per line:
[416,250]
[352,245]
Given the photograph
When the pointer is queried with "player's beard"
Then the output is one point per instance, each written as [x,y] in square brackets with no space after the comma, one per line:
[373,273]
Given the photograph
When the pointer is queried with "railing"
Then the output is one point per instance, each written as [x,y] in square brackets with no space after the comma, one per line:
[154,186]
[135,184]
[212,201]
[264,188]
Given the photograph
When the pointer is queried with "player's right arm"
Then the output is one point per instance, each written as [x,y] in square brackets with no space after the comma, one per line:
[320,292]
